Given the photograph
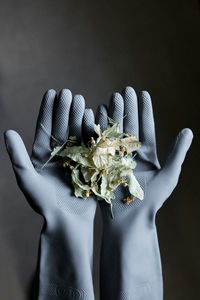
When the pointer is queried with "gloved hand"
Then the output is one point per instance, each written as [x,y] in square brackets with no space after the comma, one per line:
[130,258]
[66,244]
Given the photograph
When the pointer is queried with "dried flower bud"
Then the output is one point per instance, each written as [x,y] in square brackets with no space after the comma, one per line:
[87,193]
[101,172]
[69,144]
[90,170]
[128,134]
[123,150]
[128,200]
[66,163]
[92,141]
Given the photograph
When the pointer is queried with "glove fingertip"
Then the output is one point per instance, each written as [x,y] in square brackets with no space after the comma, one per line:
[10,137]
[187,135]
[17,150]
[88,124]
[188,132]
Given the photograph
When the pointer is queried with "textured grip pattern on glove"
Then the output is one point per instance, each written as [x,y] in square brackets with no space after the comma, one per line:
[61,116]
[119,208]
[130,111]
[56,291]
[141,292]
[73,205]
[125,111]
[76,116]
[147,130]
[41,146]
[61,111]
[102,116]
[116,109]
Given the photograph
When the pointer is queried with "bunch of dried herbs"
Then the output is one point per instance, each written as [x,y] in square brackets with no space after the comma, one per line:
[103,164]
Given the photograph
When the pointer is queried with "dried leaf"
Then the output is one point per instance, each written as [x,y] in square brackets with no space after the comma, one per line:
[103,165]
[97,129]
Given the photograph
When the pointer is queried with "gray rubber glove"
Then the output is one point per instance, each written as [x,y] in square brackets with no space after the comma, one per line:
[66,244]
[130,258]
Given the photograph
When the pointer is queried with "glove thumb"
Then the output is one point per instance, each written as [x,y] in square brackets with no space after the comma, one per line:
[175,158]
[17,152]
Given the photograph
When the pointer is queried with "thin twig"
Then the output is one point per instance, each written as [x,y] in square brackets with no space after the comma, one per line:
[50,135]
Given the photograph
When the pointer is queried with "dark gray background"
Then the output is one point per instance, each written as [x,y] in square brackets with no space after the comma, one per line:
[95,48]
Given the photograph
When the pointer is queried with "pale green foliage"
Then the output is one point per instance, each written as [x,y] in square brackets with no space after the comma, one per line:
[103,164]
[77,154]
